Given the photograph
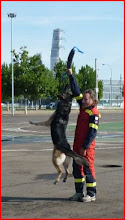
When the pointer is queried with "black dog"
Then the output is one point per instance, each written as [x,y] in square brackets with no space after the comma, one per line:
[58,123]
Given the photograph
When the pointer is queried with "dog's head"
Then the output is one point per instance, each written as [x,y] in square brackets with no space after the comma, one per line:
[66,95]
[65,101]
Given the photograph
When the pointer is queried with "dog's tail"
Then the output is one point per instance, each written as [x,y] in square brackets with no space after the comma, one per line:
[44,123]
[81,161]
[78,159]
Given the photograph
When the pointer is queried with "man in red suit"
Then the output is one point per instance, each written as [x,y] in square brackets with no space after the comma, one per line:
[84,141]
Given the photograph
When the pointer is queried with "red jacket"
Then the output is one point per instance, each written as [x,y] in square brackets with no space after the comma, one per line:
[86,129]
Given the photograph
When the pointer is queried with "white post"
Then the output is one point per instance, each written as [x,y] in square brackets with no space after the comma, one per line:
[12,15]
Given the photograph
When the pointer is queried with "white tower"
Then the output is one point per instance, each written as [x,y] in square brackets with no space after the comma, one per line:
[55,51]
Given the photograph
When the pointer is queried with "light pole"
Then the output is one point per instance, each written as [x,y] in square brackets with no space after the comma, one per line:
[12,15]
[111,78]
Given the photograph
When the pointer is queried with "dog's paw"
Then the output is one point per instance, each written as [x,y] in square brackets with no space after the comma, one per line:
[56,182]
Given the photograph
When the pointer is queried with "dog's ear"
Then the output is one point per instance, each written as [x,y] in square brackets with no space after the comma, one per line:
[67,88]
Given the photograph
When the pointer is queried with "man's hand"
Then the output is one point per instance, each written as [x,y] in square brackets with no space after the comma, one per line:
[69,71]
[82,152]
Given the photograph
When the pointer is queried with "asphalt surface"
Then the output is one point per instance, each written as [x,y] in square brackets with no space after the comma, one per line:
[28,174]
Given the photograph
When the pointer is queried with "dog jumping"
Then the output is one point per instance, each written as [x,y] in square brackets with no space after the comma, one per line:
[58,123]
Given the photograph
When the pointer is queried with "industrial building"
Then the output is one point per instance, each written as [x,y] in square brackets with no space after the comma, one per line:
[112,96]
[55,51]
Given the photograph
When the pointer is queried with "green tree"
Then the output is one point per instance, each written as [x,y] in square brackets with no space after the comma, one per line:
[100,86]
[21,68]
[32,78]
[86,79]
[6,83]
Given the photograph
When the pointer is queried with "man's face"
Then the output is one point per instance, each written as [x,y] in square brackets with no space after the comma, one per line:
[87,101]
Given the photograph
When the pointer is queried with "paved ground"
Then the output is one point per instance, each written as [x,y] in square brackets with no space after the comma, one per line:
[28,173]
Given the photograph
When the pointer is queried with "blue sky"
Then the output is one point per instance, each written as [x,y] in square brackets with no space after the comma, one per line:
[94,27]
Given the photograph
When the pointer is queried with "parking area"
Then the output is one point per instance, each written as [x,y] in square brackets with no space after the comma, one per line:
[28,173]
